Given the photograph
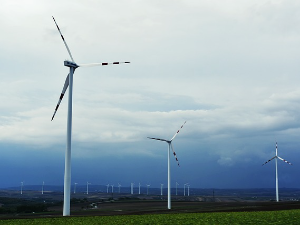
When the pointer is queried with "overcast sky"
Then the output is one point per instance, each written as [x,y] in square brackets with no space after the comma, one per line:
[231,69]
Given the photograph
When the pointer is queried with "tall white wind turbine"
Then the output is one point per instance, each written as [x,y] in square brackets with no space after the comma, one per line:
[69,83]
[169,170]
[276,176]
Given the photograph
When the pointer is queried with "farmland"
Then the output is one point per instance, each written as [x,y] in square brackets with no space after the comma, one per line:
[228,207]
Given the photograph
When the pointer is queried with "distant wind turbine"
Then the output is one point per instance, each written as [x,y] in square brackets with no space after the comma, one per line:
[148,185]
[184,188]
[276,179]
[112,188]
[69,82]
[169,169]
[161,189]
[43,188]
[22,183]
[176,187]
[132,188]
[107,188]
[75,187]
[139,188]
[87,187]
[119,186]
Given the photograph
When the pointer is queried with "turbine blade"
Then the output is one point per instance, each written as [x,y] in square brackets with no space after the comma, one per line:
[175,154]
[64,41]
[100,64]
[177,131]
[284,160]
[61,95]
[158,139]
[269,160]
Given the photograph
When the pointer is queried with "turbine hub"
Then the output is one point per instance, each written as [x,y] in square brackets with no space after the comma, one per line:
[70,64]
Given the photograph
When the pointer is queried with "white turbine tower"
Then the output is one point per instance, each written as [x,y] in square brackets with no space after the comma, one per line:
[176,187]
[43,188]
[112,188]
[22,183]
[107,186]
[188,189]
[69,82]
[184,188]
[148,185]
[75,187]
[276,176]
[161,189]
[87,187]
[139,188]
[169,170]
[132,188]
[119,186]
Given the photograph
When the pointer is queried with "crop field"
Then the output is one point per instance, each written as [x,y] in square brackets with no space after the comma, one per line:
[261,217]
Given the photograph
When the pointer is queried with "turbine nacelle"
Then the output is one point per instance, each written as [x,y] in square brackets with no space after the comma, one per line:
[70,64]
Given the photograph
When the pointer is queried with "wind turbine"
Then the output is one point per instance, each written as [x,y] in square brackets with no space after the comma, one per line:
[276,179]
[161,189]
[132,188]
[112,188]
[107,186]
[69,82]
[43,188]
[22,183]
[176,187]
[139,188]
[75,187]
[148,185]
[169,169]
[184,188]
[87,187]
[119,186]
[188,189]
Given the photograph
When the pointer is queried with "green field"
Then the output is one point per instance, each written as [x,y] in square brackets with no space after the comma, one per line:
[261,217]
